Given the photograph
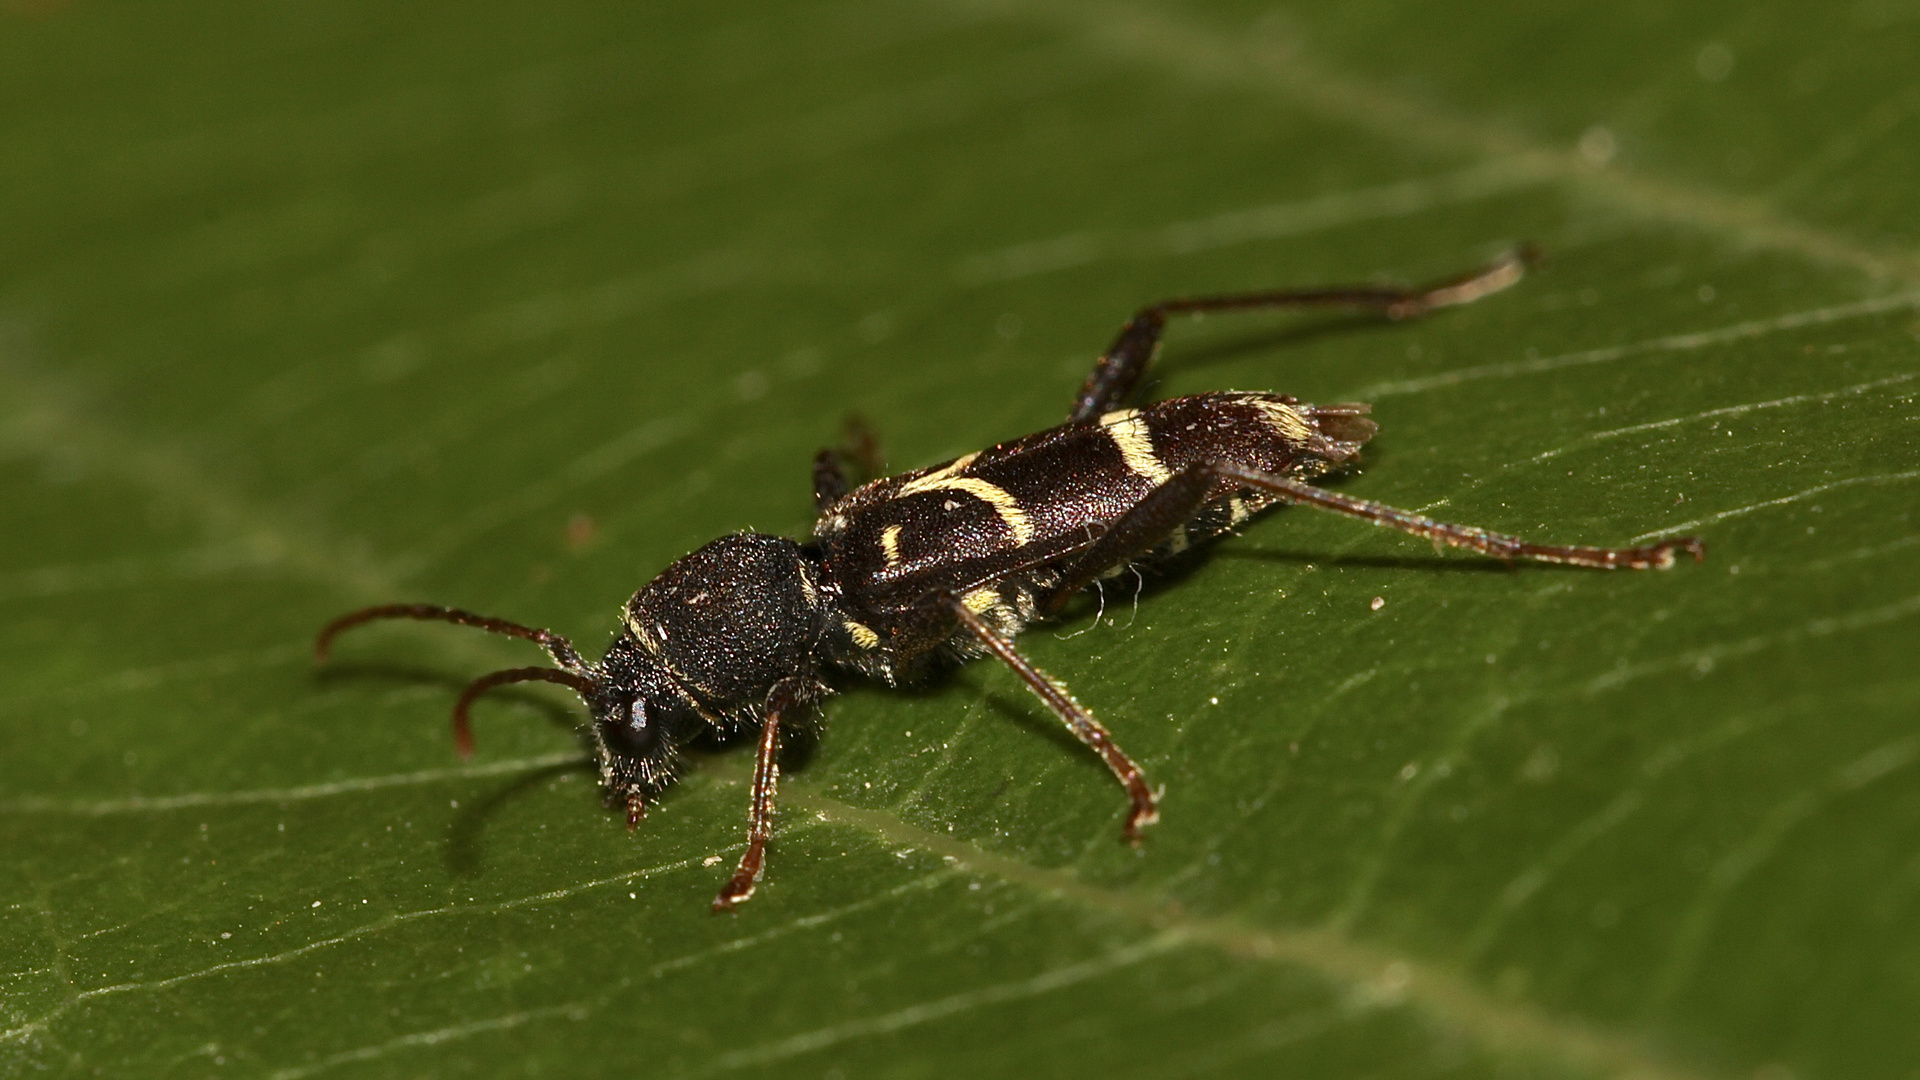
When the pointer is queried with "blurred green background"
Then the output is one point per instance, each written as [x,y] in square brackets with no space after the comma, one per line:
[315,304]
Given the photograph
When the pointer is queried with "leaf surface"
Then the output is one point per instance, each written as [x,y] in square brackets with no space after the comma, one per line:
[507,306]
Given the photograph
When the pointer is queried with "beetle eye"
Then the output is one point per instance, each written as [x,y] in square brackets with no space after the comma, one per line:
[631,730]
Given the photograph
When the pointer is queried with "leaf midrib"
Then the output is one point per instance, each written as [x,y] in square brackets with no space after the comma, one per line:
[1359,969]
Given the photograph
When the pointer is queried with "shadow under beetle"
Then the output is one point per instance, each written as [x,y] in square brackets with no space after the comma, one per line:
[952,561]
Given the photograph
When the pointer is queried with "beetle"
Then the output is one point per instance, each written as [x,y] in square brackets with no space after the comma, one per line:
[951,562]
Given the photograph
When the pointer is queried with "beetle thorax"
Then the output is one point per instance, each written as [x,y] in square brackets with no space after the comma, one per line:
[732,619]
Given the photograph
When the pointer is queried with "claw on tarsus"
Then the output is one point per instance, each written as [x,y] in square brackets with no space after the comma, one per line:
[737,891]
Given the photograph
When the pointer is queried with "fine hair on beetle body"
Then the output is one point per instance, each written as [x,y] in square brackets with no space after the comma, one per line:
[750,633]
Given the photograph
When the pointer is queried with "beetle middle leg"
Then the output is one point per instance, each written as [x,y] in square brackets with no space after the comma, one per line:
[1145,809]
[1119,369]
[860,448]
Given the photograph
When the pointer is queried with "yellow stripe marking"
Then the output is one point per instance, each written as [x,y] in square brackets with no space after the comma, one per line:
[863,635]
[981,601]
[890,544]
[1285,419]
[949,479]
[641,633]
[1129,433]
[933,481]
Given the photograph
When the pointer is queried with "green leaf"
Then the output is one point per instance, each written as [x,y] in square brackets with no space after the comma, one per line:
[305,307]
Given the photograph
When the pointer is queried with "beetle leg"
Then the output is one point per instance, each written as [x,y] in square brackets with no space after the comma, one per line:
[829,478]
[766,778]
[1117,371]
[1145,802]
[1656,556]
[861,448]
[1144,525]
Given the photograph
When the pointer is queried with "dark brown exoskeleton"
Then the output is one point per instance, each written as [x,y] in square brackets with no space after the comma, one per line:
[954,560]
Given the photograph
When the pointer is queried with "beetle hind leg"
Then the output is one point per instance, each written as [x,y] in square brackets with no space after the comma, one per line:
[1159,515]
[1119,369]
[1655,556]
[1167,511]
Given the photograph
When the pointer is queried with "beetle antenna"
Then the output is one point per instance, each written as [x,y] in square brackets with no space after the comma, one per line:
[559,648]
[583,685]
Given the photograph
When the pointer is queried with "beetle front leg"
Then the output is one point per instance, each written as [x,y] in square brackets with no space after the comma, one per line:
[766,778]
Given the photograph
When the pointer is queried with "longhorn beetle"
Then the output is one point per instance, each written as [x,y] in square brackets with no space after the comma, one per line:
[955,559]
